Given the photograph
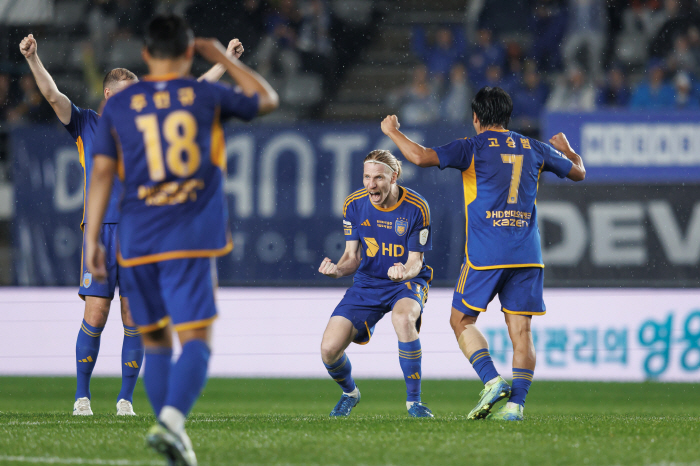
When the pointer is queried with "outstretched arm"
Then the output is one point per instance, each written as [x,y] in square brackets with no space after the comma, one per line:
[414,152]
[234,49]
[560,143]
[248,80]
[348,263]
[59,102]
[401,272]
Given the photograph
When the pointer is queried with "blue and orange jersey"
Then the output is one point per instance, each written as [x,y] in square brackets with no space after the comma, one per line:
[500,176]
[83,123]
[167,138]
[387,235]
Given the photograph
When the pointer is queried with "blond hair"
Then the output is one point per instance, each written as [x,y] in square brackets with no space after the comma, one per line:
[385,157]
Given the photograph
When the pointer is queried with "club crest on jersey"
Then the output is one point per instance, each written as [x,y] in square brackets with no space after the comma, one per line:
[87,280]
[401,226]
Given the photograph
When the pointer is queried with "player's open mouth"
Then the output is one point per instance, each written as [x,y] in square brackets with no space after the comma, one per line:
[375,197]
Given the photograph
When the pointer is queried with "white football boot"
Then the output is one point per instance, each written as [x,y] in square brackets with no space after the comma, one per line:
[81,407]
[124,408]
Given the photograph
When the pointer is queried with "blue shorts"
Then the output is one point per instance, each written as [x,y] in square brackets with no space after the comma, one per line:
[518,289]
[90,287]
[364,306]
[180,291]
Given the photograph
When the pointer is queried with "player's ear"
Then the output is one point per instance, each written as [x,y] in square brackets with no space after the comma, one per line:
[145,55]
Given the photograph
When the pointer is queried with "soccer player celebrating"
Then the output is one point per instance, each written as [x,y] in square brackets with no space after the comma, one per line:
[389,225]
[500,173]
[163,136]
[81,124]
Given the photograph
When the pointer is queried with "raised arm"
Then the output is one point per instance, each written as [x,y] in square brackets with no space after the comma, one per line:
[59,102]
[400,272]
[234,49]
[414,152]
[560,143]
[248,80]
[348,263]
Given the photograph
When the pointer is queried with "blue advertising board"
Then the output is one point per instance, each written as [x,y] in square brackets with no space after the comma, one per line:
[632,146]
[285,185]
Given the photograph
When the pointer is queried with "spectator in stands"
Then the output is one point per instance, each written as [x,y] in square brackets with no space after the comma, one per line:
[448,49]
[682,58]
[686,96]
[485,53]
[654,92]
[32,107]
[277,52]
[513,76]
[314,40]
[615,92]
[680,20]
[586,29]
[529,99]
[5,95]
[548,25]
[456,104]
[572,92]
[494,78]
[418,102]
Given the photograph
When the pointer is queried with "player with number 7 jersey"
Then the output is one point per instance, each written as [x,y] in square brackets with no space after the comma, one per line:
[500,172]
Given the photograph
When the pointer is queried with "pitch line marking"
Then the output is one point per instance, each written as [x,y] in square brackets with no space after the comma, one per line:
[57,460]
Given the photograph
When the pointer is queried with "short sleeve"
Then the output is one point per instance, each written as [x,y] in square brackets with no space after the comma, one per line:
[456,154]
[420,236]
[349,224]
[104,142]
[78,120]
[234,103]
[554,161]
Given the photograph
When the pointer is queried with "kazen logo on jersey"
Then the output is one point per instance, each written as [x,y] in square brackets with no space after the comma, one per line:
[401,226]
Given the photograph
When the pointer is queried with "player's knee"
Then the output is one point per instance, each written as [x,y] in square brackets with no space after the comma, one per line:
[96,311]
[331,351]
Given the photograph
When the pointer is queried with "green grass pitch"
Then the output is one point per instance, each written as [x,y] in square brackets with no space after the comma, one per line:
[285,422]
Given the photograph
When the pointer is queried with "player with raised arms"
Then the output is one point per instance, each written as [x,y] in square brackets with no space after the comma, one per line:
[80,124]
[164,138]
[387,231]
[500,172]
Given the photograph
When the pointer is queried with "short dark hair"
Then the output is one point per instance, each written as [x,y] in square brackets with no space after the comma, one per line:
[168,36]
[492,106]
[117,75]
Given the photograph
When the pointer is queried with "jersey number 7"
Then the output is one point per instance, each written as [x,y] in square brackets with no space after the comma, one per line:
[517,161]
[179,131]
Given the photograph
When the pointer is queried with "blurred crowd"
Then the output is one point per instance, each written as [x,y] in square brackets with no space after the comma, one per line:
[560,55]
[566,55]
[303,47]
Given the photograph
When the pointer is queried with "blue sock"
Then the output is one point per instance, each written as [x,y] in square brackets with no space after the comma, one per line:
[188,376]
[341,372]
[86,349]
[522,378]
[410,356]
[132,359]
[156,375]
[483,365]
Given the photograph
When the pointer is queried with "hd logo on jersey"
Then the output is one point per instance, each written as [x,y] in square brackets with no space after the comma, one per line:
[391,250]
[372,247]
[401,226]
[87,280]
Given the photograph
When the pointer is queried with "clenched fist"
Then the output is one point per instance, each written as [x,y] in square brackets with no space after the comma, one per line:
[560,143]
[397,272]
[235,48]
[28,46]
[390,124]
[328,268]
